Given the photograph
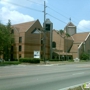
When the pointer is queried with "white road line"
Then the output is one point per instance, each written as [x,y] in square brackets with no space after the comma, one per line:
[48,65]
[78,73]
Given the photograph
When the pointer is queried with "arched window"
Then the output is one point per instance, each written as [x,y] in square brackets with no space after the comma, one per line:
[53,44]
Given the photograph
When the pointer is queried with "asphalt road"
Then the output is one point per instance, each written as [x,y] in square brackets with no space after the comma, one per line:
[43,77]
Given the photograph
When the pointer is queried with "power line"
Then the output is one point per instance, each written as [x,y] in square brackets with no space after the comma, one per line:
[66,18]
[58,12]
[56,18]
[22,6]
[35,2]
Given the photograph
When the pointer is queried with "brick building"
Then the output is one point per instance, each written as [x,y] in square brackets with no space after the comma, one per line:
[29,38]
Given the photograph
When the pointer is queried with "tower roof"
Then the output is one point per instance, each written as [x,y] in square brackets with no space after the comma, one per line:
[70,24]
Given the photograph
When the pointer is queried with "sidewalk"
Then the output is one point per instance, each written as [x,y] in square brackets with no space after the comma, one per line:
[64,62]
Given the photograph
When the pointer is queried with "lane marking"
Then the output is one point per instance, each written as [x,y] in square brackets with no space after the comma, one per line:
[49,65]
[78,73]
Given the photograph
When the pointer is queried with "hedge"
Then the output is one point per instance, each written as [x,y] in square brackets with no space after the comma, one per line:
[9,63]
[29,60]
[54,60]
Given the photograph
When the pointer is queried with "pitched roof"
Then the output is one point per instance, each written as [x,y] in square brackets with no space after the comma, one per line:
[23,27]
[69,38]
[74,48]
[80,37]
[69,24]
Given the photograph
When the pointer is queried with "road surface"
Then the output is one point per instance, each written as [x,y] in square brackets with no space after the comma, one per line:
[43,77]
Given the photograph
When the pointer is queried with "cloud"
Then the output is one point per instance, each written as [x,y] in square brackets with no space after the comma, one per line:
[10,12]
[14,16]
[7,4]
[84,25]
[28,3]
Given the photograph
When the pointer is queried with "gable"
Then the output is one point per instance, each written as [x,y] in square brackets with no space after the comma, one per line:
[23,27]
[36,31]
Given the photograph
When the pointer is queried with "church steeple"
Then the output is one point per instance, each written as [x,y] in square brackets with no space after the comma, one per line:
[70,28]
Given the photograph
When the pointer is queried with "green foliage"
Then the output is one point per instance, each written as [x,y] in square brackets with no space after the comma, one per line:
[29,60]
[71,60]
[35,60]
[9,63]
[61,32]
[67,35]
[5,39]
[54,60]
[84,56]
[25,60]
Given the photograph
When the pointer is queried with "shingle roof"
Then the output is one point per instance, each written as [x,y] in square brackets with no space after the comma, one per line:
[23,27]
[80,37]
[69,38]
[74,48]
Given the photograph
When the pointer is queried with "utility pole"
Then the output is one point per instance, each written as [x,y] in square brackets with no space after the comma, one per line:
[44,33]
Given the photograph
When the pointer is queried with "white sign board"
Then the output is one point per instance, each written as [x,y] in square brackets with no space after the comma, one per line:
[36,54]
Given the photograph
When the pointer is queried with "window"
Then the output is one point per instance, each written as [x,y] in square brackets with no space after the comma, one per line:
[20,48]
[53,44]
[47,27]
[41,41]
[20,39]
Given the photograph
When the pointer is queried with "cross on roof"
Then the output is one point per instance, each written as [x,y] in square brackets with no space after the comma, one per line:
[70,19]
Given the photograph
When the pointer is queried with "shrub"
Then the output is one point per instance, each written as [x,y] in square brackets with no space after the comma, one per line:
[35,60]
[54,60]
[15,59]
[71,60]
[9,63]
[12,62]
[29,60]
[25,60]
[84,56]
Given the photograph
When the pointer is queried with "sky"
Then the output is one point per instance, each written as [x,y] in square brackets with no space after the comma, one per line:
[58,11]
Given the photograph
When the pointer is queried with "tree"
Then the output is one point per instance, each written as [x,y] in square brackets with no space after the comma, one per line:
[5,39]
